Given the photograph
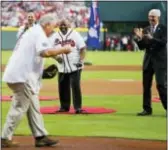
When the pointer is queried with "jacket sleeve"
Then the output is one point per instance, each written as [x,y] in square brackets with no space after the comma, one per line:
[142,43]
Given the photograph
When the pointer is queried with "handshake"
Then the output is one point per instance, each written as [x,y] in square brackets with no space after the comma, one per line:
[60,60]
[139,33]
[66,49]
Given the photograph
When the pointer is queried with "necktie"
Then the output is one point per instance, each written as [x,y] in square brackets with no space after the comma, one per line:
[152,29]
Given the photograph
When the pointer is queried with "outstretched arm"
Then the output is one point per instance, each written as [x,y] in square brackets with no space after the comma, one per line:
[55,52]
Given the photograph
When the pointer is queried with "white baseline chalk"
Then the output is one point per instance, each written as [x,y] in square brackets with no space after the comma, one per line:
[122,80]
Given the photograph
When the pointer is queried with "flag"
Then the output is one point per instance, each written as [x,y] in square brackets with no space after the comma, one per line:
[94,27]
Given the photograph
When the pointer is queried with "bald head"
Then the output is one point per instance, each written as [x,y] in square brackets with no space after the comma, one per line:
[64,25]
[154,16]
[64,21]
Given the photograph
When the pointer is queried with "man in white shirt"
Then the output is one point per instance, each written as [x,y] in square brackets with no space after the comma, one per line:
[30,22]
[69,66]
[22,75]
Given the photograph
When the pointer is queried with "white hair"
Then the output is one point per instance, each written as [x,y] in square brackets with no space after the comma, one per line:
[155,12]
[48,18]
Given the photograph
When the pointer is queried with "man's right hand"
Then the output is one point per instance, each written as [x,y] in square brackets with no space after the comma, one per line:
[138,32]
[55,52]
[66,49]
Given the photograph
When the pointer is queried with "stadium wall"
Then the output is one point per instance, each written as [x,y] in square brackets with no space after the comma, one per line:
[8,36]
[131,11]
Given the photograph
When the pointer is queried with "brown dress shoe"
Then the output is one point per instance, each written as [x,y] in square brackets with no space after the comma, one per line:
[8,143]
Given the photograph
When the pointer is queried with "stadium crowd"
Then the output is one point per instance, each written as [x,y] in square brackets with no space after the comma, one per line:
[14,13]
[120,43]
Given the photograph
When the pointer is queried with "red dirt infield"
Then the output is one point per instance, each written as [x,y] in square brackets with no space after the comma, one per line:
[103,87]
[92,143]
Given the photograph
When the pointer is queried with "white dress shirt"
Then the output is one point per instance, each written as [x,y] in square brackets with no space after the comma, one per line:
[25,65]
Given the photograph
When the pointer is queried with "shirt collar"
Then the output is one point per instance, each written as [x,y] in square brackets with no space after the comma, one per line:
[69,29]
[156,26]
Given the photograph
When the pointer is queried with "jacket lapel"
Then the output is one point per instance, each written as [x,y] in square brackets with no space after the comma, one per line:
[157,29]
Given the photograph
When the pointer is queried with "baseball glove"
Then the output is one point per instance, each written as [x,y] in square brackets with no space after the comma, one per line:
[50,72]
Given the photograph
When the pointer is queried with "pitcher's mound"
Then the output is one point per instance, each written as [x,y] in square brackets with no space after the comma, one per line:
[156,99]
[87,110]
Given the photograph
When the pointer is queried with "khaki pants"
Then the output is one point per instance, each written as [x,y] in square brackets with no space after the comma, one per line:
[24,101]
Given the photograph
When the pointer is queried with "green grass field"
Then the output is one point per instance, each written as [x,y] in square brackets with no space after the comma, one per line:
[123,123]
[100,58]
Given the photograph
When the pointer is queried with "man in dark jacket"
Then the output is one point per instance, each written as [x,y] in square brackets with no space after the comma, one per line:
[154,40]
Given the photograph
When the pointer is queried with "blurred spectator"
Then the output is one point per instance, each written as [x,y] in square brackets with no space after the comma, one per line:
[29,23]
[108,43]
[116,43]
[112,44]
[124,43]
[135,46]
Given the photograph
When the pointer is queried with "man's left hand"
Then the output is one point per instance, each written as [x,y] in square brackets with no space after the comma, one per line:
[80,64]
[148,36]
[50,72]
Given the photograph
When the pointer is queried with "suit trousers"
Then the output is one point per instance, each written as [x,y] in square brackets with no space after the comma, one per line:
[66,82]
[161,84]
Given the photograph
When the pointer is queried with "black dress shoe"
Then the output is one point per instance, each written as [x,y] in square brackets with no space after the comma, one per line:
[144,113]
[46,142]
[62,110]
[80,111]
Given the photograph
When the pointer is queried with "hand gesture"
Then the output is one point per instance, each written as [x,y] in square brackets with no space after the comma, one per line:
[138,32]
[148,36]
[67,49]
